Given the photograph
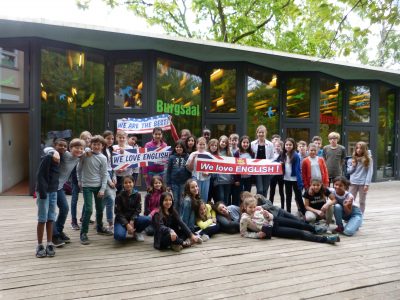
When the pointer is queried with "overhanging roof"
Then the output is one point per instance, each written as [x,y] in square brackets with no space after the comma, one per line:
[207,51]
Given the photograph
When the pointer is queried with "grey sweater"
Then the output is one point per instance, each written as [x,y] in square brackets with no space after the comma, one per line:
[359,174]
[92,171]
[67,164]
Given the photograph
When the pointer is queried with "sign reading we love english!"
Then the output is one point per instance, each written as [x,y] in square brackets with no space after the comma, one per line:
[231,165]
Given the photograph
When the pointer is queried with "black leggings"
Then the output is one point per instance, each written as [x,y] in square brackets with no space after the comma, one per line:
[295,229]
[289,186]
[210,230]
[277,179]
[166,241]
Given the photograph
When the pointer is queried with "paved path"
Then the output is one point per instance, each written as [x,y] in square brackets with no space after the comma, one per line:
[364,266]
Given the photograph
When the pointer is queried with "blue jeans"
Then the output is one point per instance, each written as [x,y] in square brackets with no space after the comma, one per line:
[177,191]
[47,207]
[63,210]
[224,193]
[204,186]
[140,223]
[109,205]
[262,184]
[354,219]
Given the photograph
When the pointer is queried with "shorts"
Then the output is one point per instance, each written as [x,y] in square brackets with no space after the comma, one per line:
[47,207]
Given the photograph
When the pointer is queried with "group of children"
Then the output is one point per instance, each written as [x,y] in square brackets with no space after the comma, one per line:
[184,206]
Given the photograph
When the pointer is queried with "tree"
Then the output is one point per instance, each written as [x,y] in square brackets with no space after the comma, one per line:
[322,28]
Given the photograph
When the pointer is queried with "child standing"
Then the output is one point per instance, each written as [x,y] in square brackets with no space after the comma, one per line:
[302,149]
[169,229]
[223,182]
[128,206]
[154,169]
[121,147]
[203,178]
[190,144]
[244,152]
[92,177]
[314,167]
[47,183]
[317,207]
[277,179]
[177,174]
[110,192]
[206,220]
[345,207]
[262,149]
[235,187]
[334,155]
[292,176]
[317,140]
[360,169]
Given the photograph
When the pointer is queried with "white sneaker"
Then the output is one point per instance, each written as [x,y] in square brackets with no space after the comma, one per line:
[139,237]
[205,237]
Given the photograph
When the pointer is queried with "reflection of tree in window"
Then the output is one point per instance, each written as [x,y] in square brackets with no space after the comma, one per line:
[263,104]
[359,104]
[298,98]
[72,92]
[330,107]
[178,94]
[223,91]
[128,85]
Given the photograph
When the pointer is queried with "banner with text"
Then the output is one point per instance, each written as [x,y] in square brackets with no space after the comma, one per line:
[144,125]
[139,157]
[232,165]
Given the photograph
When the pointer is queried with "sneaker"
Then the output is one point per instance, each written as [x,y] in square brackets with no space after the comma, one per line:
[139,237]
[319,229]
[58,242]
[176,248]
[75,226]
[64,238]
[204,237]
[332,239]
[199,240]
[110,228]
[40,251]
[187,243]
[104,231]
[338,229]
[84,239]
[50,252]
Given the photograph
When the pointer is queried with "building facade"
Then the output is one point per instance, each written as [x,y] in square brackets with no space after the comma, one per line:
[58,80]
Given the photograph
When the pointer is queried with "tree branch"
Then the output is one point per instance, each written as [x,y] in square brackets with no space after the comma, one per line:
[262,24]
[223,22]
[339,27]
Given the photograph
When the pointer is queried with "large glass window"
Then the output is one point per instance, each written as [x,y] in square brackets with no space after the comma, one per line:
[179,94]
[223,91]
[355,136]
[263,101]
[298,134]
[72,92]
[128,85]
[386,136]
[330,116]
[359,104]
[11,76]
[222,129]
[298,98]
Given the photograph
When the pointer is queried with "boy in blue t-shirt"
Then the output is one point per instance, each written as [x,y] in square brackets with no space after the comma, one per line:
[47,183]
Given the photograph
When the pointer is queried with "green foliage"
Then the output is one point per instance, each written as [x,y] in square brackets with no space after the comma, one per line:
[322,28]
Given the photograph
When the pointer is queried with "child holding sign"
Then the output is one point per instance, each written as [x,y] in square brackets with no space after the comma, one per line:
[121,147]
[154,169]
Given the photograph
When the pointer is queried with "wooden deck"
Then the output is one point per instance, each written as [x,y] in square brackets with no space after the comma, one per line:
[364,266]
